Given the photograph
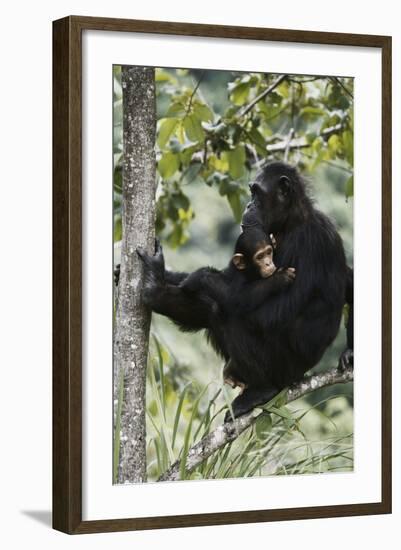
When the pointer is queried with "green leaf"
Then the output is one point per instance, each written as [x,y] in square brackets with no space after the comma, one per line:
[283,412]
[161,374]
[163,76]
[187,437]
[172,213]
[180,201]
[118,180]
[236,161]
[166,129]
[176,110]
[348,143]
[191,174]
[227,187]
[314,111]
[239,94]
[283,89]
[178,412]
[349,187]
[236,206]
[202,112]
[118,231]
[175,237]
[168,165]
[219,164]
[334,143]
[196,475]
[164,431]
[263,425]
[193,128]
[258,140]
[310,137]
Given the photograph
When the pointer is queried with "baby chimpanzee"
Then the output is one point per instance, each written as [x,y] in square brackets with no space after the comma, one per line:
[241,287]
[249,279]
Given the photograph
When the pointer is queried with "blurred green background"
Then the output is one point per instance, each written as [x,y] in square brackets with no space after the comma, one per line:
[209,146]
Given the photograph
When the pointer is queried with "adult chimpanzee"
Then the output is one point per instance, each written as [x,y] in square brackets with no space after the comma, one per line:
[275,344]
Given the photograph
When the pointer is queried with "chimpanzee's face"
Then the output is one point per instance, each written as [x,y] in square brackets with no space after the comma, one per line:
[271,197]
[262,259]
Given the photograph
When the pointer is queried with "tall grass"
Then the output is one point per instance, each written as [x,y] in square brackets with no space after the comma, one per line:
[180,413]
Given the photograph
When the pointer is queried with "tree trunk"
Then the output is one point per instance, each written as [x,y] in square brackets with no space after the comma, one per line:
[138,222]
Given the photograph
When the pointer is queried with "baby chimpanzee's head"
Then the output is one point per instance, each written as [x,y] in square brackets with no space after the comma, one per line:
[253,253]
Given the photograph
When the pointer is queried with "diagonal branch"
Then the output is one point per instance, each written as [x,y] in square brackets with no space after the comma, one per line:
[261,96]
[228,432]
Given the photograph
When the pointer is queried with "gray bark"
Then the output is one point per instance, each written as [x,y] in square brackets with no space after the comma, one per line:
[226,433]
[138,222]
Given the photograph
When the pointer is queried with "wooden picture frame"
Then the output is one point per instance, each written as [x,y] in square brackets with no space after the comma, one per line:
[67,273]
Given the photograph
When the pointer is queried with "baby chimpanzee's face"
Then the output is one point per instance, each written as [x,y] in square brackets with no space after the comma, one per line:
[262,259]
[254,253]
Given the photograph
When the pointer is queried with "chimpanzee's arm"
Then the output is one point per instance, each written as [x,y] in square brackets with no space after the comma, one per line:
[170,277]
[255,293]
[191,312]
[163,294]
[174,277]
[247,296]
[208,282]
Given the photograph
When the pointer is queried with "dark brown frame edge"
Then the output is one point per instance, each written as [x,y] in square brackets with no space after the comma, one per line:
[67,312]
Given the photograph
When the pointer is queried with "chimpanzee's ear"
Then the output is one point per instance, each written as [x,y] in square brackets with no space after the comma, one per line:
[284,186]
[239,261]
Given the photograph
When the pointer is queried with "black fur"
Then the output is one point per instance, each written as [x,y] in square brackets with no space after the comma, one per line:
[273,345]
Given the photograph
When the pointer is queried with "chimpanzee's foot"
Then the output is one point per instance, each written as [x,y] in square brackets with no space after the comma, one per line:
[250,398]
[235,384]
[346,360]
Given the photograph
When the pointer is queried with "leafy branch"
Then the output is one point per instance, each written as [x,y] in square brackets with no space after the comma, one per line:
[228,432]
[264,94]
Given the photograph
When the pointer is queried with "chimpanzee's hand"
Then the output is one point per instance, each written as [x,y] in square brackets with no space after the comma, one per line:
[286,275]
[154,268]
[192,283]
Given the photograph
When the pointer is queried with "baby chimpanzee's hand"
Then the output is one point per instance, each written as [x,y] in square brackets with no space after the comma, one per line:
[287,275]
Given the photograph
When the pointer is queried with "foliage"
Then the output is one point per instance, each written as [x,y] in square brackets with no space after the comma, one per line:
[305,120]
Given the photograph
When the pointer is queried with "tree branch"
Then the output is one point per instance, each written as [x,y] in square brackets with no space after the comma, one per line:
[194,93]
[138,219]
[301,142]
[228,432]
[343,86]
[261,96]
